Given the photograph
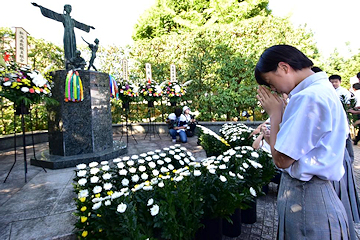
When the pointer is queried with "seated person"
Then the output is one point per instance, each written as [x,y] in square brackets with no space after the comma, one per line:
[177,125]
[190,120]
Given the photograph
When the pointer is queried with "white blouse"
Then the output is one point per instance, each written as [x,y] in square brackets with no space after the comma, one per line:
[314,130]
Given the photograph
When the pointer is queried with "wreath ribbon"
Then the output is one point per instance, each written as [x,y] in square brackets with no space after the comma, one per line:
[73,87]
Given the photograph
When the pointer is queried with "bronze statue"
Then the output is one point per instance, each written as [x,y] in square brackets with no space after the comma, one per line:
[93,49]
[76,62]
[69,24]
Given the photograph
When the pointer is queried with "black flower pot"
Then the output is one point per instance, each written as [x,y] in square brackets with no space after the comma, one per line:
[150,103]
[212,230]
[248,216]
[126,105]
[232,229]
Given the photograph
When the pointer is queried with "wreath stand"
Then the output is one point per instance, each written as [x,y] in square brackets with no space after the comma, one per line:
[151,126]
[22,110]
[126,106]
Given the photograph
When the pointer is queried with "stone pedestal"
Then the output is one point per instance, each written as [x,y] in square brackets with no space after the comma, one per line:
[78,129]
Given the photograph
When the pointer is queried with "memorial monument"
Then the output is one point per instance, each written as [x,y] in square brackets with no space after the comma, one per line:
[80,129]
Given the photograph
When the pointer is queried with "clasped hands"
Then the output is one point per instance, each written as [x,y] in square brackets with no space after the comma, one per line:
[271,102]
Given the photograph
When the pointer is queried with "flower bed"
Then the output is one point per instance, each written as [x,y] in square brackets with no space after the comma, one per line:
[164,194]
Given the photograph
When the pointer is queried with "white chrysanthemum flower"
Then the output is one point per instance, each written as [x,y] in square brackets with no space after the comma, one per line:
[243,151]
[182,148]
[104,162]
[157,151]
[170,167]
[96,200]
[123,172]
[155,172]
[178,178]
[105,168]
[124,190]
[93,164]
[160,162]
[238,156]
[142,168]
[37,79]
[94,171]
[252,191]
[94,179]
[83,193]
[192,158]
[141,161]
[186,160]
[167,159]
[154,181]
[96,205]
[255,154]
[232,174]
[81,166]
[177,157]
[116,195]
[162,155]
[82,181]
[148,158]
[161,184]
[144,176]
[255,164]
[125,182]
[6,84]
[222,166]
[164,169]
[182,155]
[154,210]
[121,207]
[132,170]
[177,150]
[120,165]
[150,153]
[197,173]
[130,163]
[107,203]
[106,176]
[222,178]
[26,89]
[177,145]
[245,165]
[137,187]
[107,186]
[237,148]
[212,171]
[171,152]
[150,202]
[220,157]
[152,164]
[155,157]
[148,188]
[134,157]
[97,189]
[143,155]
[135,178]
[126,158]
[81,173]
[239,176]
[181,162]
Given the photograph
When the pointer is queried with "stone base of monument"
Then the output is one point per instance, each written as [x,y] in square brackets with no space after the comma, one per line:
[80,132]
[46,160]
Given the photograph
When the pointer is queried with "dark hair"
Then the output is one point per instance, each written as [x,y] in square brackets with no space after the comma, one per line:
[356,86]
[316,69]
[335,77]
[178,112]
[271,57]
[358,75]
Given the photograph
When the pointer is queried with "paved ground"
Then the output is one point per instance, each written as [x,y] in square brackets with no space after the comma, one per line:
[42,207]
